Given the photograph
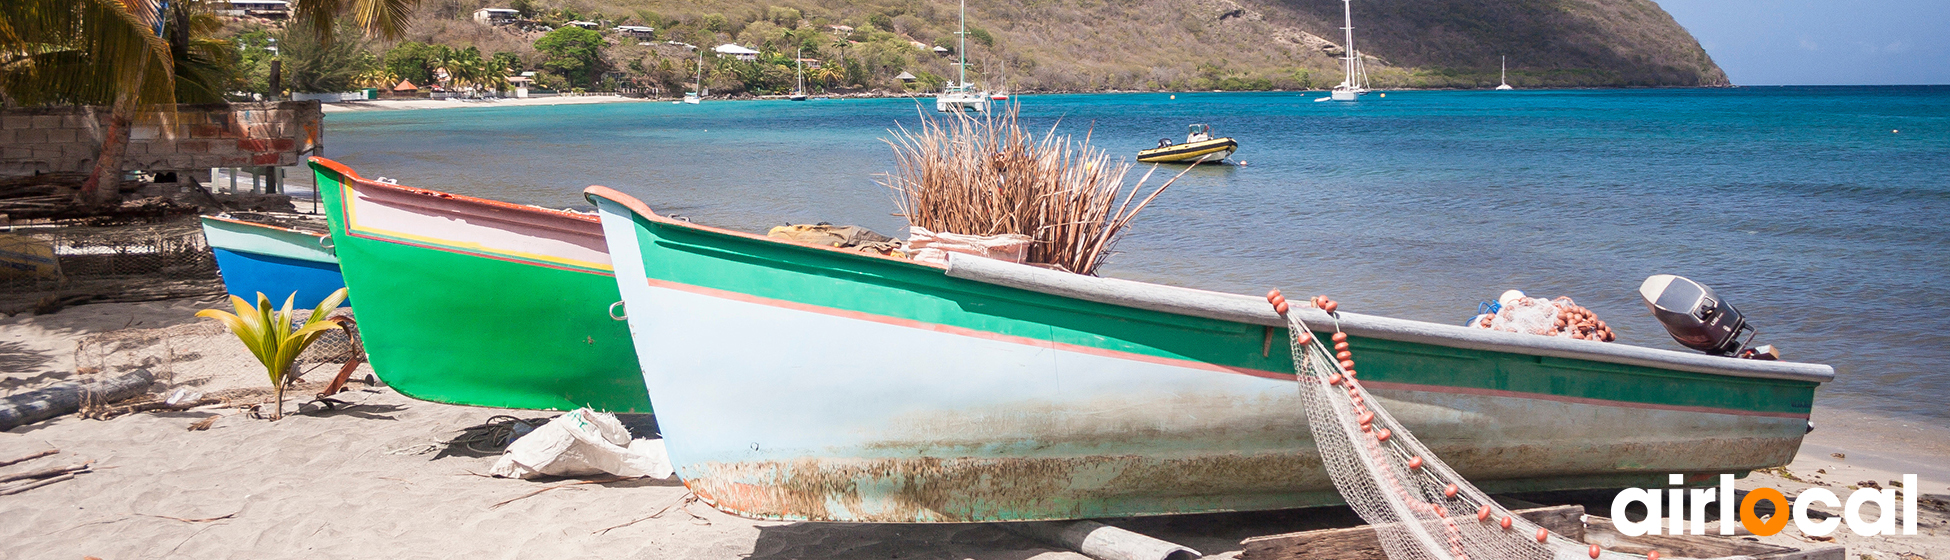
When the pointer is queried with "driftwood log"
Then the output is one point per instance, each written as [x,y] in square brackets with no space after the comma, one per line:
[63,398]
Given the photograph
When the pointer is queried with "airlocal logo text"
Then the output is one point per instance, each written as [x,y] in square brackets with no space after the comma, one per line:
[1677,522]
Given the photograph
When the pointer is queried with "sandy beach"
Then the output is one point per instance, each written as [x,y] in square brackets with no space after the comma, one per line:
[392,476]
[398,104]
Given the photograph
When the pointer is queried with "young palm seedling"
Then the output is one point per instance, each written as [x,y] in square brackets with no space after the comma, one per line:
[269,335]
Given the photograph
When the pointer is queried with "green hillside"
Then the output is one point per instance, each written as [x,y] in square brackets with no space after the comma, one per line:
[1097,45]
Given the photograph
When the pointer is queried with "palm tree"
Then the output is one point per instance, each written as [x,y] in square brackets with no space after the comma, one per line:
[133,55]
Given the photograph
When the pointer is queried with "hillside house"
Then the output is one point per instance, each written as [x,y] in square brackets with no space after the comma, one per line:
[496,16]
[741,53]
[637,31]
[270,9]
[585,24]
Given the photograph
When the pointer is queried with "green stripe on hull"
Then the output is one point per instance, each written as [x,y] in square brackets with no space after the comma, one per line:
[459,328]
[850,283]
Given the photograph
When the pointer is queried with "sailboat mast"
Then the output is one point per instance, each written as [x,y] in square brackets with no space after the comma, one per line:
[961,49]
[799,61]
[1347,14]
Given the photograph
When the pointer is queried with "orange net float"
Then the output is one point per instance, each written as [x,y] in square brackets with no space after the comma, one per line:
[1334,379]
[1595,551]
[1347,364]
[1543,534]
[1344,355]
[1450,491]
[1505,523]
[1652,555]
[1414,463]
[1383,434]
[1274,296]
[1483,514]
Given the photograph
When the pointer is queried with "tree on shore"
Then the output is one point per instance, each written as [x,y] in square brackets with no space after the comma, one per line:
[573,52]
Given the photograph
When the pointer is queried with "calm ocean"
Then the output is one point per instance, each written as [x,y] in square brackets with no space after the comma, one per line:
[1823,214]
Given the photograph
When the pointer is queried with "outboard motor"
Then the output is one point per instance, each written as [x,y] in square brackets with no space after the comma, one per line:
[1693,315]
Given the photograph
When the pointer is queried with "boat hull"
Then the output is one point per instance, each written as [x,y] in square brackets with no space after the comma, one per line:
[477,302]
[278,262]
[1205,151]
[890,391]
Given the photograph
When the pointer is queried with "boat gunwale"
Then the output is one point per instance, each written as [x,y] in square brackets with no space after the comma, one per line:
[642,210]
[234,221]
[1253,310]
[348,173]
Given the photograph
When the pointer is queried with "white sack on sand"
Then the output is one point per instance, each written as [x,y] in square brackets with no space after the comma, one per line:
[581,443]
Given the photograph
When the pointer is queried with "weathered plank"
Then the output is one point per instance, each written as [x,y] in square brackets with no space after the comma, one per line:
[1361,543]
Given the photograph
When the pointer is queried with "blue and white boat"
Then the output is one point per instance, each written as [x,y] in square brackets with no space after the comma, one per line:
[278,260]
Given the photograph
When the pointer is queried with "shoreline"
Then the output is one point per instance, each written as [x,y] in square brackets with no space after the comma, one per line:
[405,104]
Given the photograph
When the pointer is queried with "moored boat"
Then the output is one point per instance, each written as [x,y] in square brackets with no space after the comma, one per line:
[289,257]
[808,383]
[1199,147]
[471,301]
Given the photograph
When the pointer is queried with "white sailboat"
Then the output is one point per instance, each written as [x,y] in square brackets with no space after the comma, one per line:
[799,93]
[1356,82]
[961,95]
[1505,82]
[692,97]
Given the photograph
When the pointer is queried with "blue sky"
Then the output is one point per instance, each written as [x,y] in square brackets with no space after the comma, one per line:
[1804,42]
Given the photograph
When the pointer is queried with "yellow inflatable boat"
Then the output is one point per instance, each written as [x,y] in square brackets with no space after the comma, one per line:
[1199,147]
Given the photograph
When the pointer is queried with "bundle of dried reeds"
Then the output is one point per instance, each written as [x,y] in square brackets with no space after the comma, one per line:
[987,176]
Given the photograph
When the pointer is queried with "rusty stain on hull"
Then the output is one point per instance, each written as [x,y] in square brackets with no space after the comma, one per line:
[932,489]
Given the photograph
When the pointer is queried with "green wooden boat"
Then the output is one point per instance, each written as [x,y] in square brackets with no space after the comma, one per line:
[471,301]
[810,383]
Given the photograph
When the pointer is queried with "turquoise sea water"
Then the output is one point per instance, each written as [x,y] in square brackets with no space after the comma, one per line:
[1823,214]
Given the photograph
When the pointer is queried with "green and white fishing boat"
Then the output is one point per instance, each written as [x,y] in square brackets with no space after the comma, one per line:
[809,383]
[478,302]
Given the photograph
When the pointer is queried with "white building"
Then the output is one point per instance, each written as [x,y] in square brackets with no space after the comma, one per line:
[637,31]
[585,24]
[734,50]
[496,16]
[277,9]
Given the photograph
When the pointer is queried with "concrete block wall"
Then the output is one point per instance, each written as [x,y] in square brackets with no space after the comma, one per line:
[69,139]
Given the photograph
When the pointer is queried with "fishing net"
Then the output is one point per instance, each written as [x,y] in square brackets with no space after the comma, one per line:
[1419,507]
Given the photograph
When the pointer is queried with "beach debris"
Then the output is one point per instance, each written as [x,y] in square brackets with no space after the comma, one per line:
[63,398]
[563,485]
[682,503]
[205,423]
[267,332]
[197,520]
[28,480]
[494,435]
[1838,455]
[29,456]
[1102,542]
[1561,317]
[580,443]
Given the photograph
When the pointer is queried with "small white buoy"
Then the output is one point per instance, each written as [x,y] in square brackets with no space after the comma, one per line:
[1895,131]
[1174,96]
[1384,95]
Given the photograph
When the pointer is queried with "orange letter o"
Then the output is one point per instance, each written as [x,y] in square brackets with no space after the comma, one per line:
[1773,524]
